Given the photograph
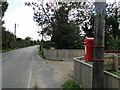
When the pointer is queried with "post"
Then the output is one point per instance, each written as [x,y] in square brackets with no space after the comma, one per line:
[15,30]
[116,62]
[98,51]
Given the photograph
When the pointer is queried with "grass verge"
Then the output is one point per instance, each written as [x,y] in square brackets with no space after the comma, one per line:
[40,52]
[71,85]
[115,73]
[7,50]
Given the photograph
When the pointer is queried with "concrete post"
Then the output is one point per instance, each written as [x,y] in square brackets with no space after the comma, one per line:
[116,62]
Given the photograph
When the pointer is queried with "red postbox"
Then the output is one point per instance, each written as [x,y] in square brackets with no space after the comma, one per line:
[88,43]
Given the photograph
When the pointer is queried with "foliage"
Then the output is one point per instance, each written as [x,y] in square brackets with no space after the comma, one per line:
[40,52]
[65,34]
[4,7]
[2,11]
[55,22]
[112,33]
[48,44]
[62,20]
[71,85]
[42,15]
[114,72]
[9,41]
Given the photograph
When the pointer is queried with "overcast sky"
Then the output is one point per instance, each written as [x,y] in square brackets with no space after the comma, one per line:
[22,15]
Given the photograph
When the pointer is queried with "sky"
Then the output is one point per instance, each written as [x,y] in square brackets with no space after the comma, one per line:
[22,15]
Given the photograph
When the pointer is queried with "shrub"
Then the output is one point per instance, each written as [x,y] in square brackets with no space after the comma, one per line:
[71,85]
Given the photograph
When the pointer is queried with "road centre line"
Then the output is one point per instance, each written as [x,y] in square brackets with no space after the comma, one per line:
[30,75]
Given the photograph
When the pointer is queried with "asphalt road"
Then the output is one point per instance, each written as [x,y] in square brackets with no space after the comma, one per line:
[16,67]
[42,74]
[24,68]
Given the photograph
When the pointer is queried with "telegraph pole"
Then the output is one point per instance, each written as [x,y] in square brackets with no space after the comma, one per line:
[98,51]
[15,30]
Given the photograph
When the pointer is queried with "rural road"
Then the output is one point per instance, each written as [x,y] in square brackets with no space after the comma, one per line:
[23,68]
[16,67]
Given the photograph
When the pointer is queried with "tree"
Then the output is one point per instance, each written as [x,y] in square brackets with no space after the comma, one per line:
[8,40]
[28,41]
[42,16]
[112,34]
[52,20]
[80,14]
[65,34]
[3,8]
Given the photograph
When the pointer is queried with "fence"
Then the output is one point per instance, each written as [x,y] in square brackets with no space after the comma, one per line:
[83,75]
[63,54]
[83,71]
[112,61]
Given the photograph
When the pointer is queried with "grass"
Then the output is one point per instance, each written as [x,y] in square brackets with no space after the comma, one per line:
[71,85]
[40,52]
[10,49]
[114,72]
[7,50]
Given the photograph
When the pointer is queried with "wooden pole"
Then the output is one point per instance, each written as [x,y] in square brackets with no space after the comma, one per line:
[98,51]
[15,30]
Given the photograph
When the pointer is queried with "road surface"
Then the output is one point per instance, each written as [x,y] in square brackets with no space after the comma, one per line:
[24,68]
[16,67]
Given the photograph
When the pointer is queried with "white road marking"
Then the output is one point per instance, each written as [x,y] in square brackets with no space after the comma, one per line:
[29,79]
[30,75]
